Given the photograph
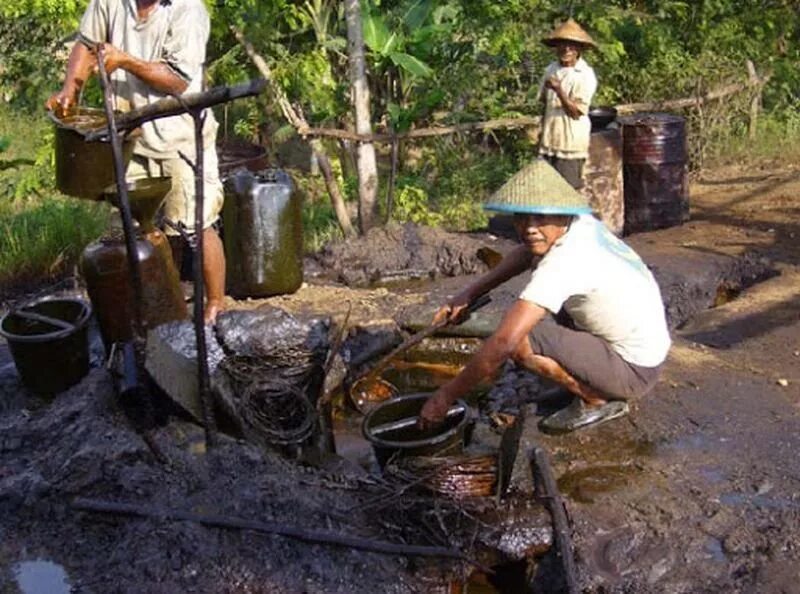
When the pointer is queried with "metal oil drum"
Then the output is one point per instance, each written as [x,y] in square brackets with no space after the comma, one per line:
[602,176]
[263,234]
[104,265]
[655,171]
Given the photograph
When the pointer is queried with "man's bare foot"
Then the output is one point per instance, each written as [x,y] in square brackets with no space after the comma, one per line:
[212,310]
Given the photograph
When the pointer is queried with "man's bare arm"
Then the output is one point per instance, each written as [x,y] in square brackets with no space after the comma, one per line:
[158,75]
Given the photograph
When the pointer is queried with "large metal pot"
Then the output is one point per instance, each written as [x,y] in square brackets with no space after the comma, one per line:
[85,169]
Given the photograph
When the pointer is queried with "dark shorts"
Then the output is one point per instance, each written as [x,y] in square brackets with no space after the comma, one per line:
[570,169]
[591,360]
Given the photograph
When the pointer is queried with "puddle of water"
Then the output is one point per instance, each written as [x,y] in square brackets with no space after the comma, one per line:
[740,499]
[713,547]
[695,441]
[41,577]
[712,474]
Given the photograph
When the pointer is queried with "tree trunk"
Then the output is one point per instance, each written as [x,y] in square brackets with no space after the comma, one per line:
[366,163]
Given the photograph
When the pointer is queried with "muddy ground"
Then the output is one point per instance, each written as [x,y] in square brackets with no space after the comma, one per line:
[697,491]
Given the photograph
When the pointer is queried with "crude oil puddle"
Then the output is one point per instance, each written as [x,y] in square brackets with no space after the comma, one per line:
[41,577]
[605,468]
[586,484]
[416,376]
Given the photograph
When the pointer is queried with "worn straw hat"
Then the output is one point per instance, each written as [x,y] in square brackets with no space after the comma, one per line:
[569,30]
[538,189]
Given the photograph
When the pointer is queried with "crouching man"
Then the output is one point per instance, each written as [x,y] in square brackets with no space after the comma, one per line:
[590,319]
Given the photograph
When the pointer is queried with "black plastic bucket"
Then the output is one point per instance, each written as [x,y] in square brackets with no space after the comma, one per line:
[446,439]
[49,343]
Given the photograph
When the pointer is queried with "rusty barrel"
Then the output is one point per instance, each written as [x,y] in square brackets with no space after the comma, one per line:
[602,176]
[654,171]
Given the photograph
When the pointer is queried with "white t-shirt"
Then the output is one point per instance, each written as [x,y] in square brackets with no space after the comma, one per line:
[606,289]
[176,33]
[563,136]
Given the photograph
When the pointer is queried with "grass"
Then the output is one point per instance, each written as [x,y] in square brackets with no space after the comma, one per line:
[776,138]
[42,233]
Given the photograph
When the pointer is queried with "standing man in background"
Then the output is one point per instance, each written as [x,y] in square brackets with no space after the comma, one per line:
[155,49]
[566,91]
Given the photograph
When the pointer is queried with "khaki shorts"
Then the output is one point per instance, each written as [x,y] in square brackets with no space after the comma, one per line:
[591,360]
[179,204]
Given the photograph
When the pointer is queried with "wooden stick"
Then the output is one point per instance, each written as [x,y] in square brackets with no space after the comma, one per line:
[546,489]
[315,536]
[171,106]
[503,123]
[525,121]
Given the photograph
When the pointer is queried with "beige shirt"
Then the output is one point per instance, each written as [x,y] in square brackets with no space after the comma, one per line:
[563,136]
[175,32]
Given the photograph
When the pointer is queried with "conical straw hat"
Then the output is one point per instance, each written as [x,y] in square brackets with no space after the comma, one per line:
[569,30]
[538,189]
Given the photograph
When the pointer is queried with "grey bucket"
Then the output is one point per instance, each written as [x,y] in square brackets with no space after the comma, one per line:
[50,357]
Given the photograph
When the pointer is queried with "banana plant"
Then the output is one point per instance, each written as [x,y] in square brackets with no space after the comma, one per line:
[399,42]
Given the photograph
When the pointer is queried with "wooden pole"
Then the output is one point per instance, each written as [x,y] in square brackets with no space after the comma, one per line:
[171,106]
[547,490]
[313,536]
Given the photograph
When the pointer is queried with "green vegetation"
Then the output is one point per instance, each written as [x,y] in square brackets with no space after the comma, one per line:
[41,233]
[45,239]
[430,63]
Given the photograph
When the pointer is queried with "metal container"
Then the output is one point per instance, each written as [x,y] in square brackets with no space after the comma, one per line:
[391,429]
[602,117]
[655,171]
[263,234]
[49,343]
[85,169]
[602,175]
[104,265]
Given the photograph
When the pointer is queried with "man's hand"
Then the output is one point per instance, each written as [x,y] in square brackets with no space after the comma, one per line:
[553,83]
[114,57]
[62,102]
[452,310]
[434,411]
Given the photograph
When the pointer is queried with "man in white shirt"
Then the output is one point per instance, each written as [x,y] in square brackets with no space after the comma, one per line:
[155,49]
[566,90]
[616,339]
